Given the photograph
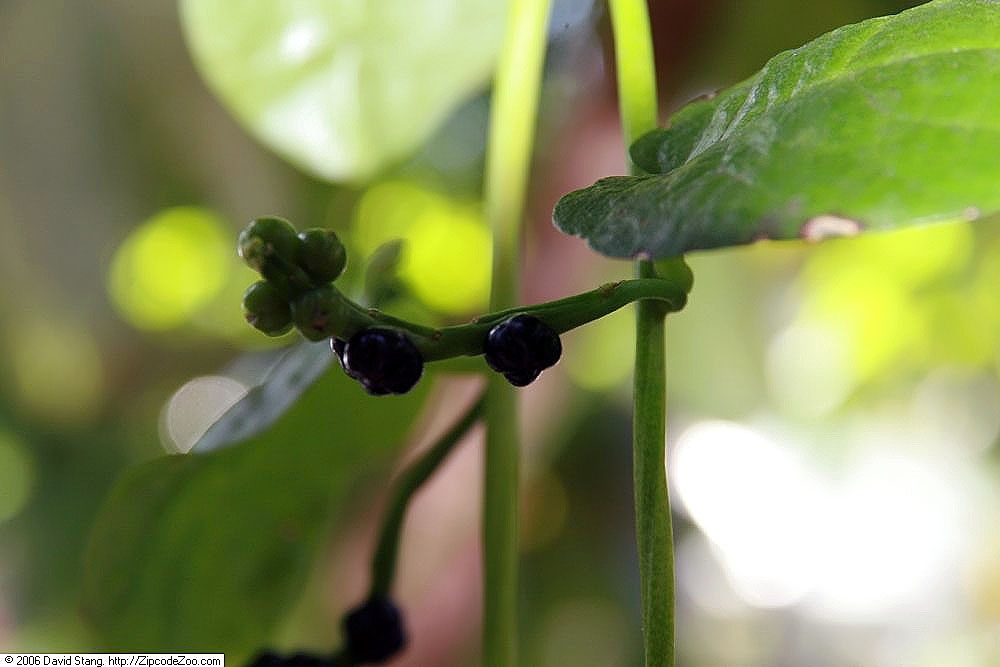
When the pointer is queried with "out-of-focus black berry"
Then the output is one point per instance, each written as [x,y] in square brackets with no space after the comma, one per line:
[321,255]
[267,237]
[316,312]
[266,310]
[374,631]
[307,660]
[522,347]
[266,659]
[383,360]
[272,659]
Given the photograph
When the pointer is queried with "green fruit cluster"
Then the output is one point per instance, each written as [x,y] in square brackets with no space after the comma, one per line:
[297,270]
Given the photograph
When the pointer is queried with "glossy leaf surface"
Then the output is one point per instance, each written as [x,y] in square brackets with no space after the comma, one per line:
[343,87]
[884,124]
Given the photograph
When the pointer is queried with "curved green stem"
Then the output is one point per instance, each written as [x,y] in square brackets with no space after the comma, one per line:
[467,339]
[654,532]
[384,559]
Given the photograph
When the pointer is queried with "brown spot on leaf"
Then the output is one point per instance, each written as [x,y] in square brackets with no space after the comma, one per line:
[828,226]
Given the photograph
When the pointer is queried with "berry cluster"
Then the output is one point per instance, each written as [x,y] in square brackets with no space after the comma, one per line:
[297,271]
[522,347]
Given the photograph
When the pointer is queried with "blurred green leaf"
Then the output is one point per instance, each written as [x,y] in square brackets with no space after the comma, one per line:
[206,552]
[382,282]
[344,87]
[293,373]
[883,124]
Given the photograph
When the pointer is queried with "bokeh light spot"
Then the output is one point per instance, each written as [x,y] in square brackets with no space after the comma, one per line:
[446,262]
[170,266]
[448,255]
[194,408]
[56,369]
[809,370]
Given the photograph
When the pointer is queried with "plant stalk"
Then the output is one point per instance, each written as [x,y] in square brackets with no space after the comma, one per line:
[654,533]
[512,128]
[384,560]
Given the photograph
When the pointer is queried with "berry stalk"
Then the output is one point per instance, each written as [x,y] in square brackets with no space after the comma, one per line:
[384,559]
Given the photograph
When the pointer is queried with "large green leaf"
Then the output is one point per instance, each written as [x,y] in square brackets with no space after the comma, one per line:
[206,552]
[887,123]
[343,87]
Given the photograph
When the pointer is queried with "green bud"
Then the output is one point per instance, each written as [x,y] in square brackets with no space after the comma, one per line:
[317,311]
[265,238]
[322,255]
[266,310]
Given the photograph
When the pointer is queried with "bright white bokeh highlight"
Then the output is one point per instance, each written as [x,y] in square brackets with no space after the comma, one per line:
[884,529]
[194,407]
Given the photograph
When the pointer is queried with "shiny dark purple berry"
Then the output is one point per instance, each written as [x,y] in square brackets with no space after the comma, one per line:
[521,348]
[383,360]
[522,379]
[374,631]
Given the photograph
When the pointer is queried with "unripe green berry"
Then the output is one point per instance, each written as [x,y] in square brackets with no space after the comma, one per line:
[267,237]
[315,312]
[266,310]
[322,255]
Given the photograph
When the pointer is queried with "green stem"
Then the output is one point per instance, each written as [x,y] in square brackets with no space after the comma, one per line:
[467,339]
[512,128]
[384,560]
[654,532]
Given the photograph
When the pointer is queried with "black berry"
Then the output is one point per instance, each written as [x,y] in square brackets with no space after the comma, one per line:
[266,310]
[321,255]
[267,659]
[272,659]
[383,360]
[521,348]
[374,631]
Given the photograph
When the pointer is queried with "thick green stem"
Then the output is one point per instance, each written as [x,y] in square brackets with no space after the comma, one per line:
[654,533]
[384,560]
[512,129]
[467,339]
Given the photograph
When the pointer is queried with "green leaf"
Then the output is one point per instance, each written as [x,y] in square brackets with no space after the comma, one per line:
[293,373]
[341,88]
[206,552]
[887,123]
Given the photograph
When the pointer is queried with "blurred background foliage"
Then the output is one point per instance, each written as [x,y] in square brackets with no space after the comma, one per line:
[834,412]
